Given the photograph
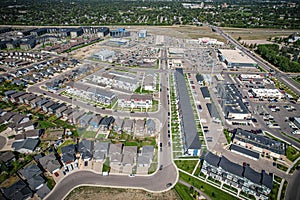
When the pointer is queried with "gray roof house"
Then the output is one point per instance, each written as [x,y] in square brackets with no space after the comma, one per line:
[50,163]
[26,146]
[106,123]
[85,148]
[128,125]
[150,126]
[36,182]
[118,125]
[139,126]
[129,155]
[18,191]
[68,154]
[115,149]
[95,121]
[30,171]
[100,150]
[43,191]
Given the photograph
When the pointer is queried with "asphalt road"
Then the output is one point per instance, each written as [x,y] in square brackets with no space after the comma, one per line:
[293,188]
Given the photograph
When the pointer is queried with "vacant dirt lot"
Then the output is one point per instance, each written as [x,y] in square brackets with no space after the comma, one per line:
[257,34]
[92,193]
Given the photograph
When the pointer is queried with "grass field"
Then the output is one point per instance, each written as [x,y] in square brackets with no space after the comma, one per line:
[183,191]
[186,165]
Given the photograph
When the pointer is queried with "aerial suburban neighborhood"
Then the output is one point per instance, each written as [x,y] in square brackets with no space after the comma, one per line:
[176,108]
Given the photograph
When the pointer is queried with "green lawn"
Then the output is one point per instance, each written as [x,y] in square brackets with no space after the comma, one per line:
[45,124]
[274,191]
[131,143]
[152,168]
[106,165]
[87,134]
[101,136]
[294,167]
[282,167]
[292,154]
[227,135]
[183,191]
[186,165]
[282,195]
[211,191]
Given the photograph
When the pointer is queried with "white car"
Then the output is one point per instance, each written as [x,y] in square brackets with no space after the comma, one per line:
[131,175]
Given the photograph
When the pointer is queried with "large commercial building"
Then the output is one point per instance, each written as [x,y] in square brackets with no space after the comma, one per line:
[235,58]
[264,93]
[231,102]
[120,32]
[104,55]
[242,178]
[192,145]
[259,143]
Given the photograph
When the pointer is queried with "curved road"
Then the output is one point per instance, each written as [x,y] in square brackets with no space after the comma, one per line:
[293,188]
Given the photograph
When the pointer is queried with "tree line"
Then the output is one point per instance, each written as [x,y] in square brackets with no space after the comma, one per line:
[272,53]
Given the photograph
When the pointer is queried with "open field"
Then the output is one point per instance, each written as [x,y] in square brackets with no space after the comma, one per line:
[257,34]
[91,193]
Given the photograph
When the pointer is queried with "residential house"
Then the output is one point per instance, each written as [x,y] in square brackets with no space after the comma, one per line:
[68,157]
[47,105]
[9,93]
[100,151]
[95,121]
[8,116]
[129,155]
[7,158]
[128,125]
[27,126]
[52,109]
[19,119]
[150,126]
[32,174]
[50,163]
[146,157]
[34,102]
[60,110]
[85,148]
[118,125]
[75,116]
[139,127]
[18,191]
[42,102]
[149,82]
[43,191]
[67,112]
[115,154]
[84,120]
[15,97]
[106,123]
[26,146]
